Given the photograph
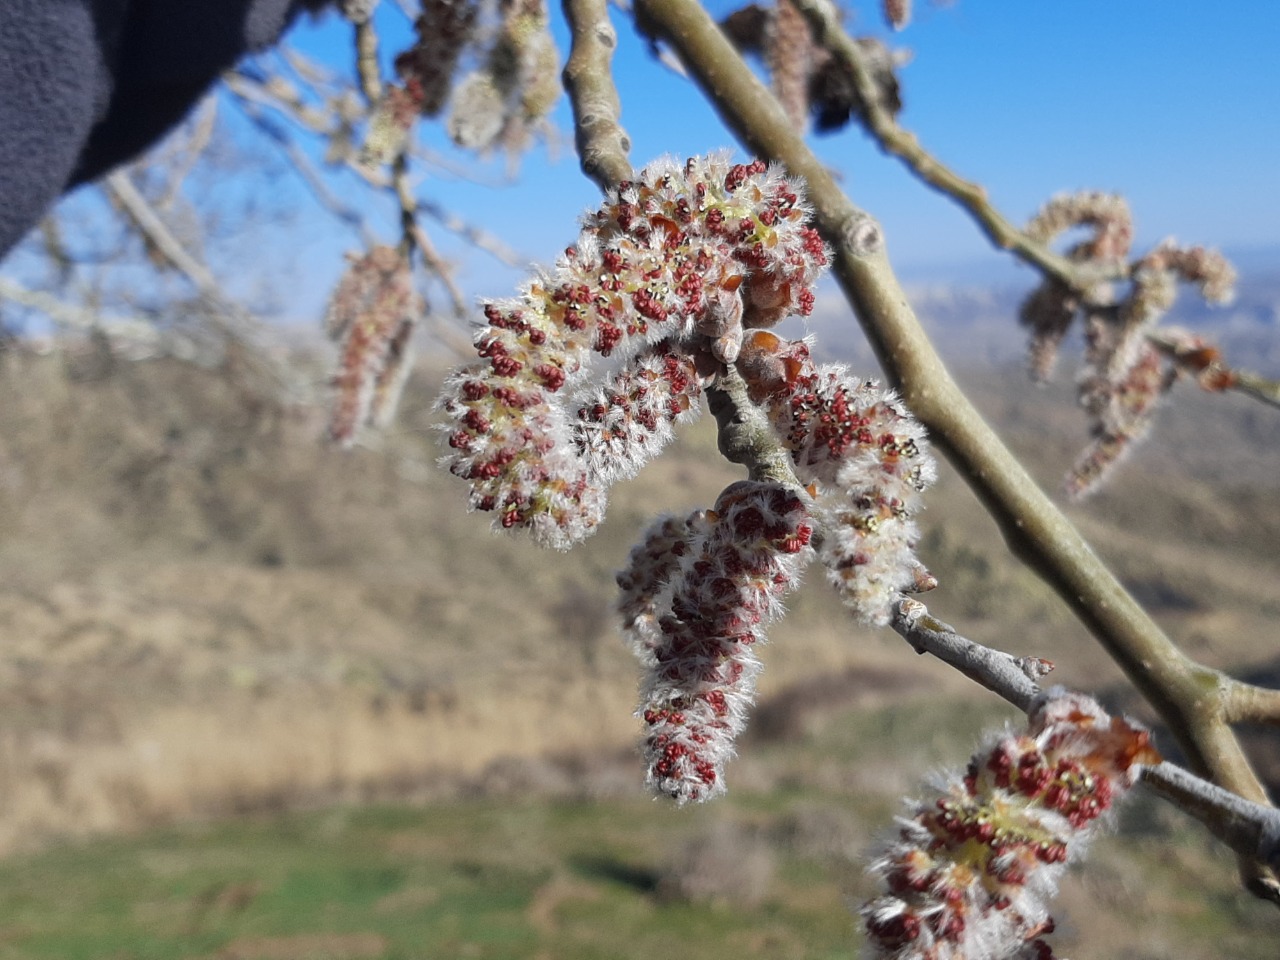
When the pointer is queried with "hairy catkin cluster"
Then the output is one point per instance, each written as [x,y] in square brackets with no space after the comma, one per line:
[1106,214]
[1125,375]
[867,459]
[791,56]
[391,123]
[697,595]
[515,86]
[670,268]
[1050,309]
[897,13]
[971,873]
[372,315]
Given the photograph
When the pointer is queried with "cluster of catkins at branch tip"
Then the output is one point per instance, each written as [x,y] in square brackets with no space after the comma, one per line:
[970,874]
[498,103]
[663,279]
[1126,372]
[674,279]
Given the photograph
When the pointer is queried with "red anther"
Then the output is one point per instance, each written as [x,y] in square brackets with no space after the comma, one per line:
[551,376]
[477,421]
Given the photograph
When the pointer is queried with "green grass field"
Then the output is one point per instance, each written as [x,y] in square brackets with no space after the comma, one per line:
[764,873]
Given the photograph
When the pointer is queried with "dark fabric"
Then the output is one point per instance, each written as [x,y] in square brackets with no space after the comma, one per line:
[86,85]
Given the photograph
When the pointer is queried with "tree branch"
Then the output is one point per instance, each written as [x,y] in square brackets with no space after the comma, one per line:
[824,20]
[232,320]
[1012,678]
[1184,692]
[602,143]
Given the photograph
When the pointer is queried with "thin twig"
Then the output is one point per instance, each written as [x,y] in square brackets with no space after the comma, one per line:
[478,237]
[1260,388]
[309,174]
[201,128]
[232,320]
[824,19]
[1183,691]
[283,98]
[367,69]
[132,330]
[1013,678]
[602,143]
[1242,381]
[893,139]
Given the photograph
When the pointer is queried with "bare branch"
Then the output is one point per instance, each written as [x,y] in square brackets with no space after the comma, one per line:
[1247,703]
[745,435]
[1260,388]
[1252,830]
[367,61]
[893,139]
[232,320]
[602,143]
[134,331]
[478,237]
[1013,678]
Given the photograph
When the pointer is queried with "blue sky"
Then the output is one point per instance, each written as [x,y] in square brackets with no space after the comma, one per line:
[1174,104]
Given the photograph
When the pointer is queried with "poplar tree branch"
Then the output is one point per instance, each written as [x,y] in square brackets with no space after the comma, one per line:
[602,143]
[824,20]
[880,122]
[1186,694]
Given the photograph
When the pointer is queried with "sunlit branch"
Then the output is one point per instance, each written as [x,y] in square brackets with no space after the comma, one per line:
[1012,678]
[828,32]
[602,143]
[1247,703]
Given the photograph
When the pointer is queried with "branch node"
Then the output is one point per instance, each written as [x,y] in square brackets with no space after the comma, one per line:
[862,235]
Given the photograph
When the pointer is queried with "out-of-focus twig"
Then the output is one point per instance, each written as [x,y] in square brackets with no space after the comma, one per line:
[284,99]
[202,127]
[229,318]
[309,174]
[478,237]
[134,331]
[412,235]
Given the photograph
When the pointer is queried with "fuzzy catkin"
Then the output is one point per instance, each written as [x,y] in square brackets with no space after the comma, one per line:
[867,458]
[372,315]
[971,873]
[712,598]
[656,263]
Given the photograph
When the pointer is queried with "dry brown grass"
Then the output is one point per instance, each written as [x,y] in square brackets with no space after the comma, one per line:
[205,611]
